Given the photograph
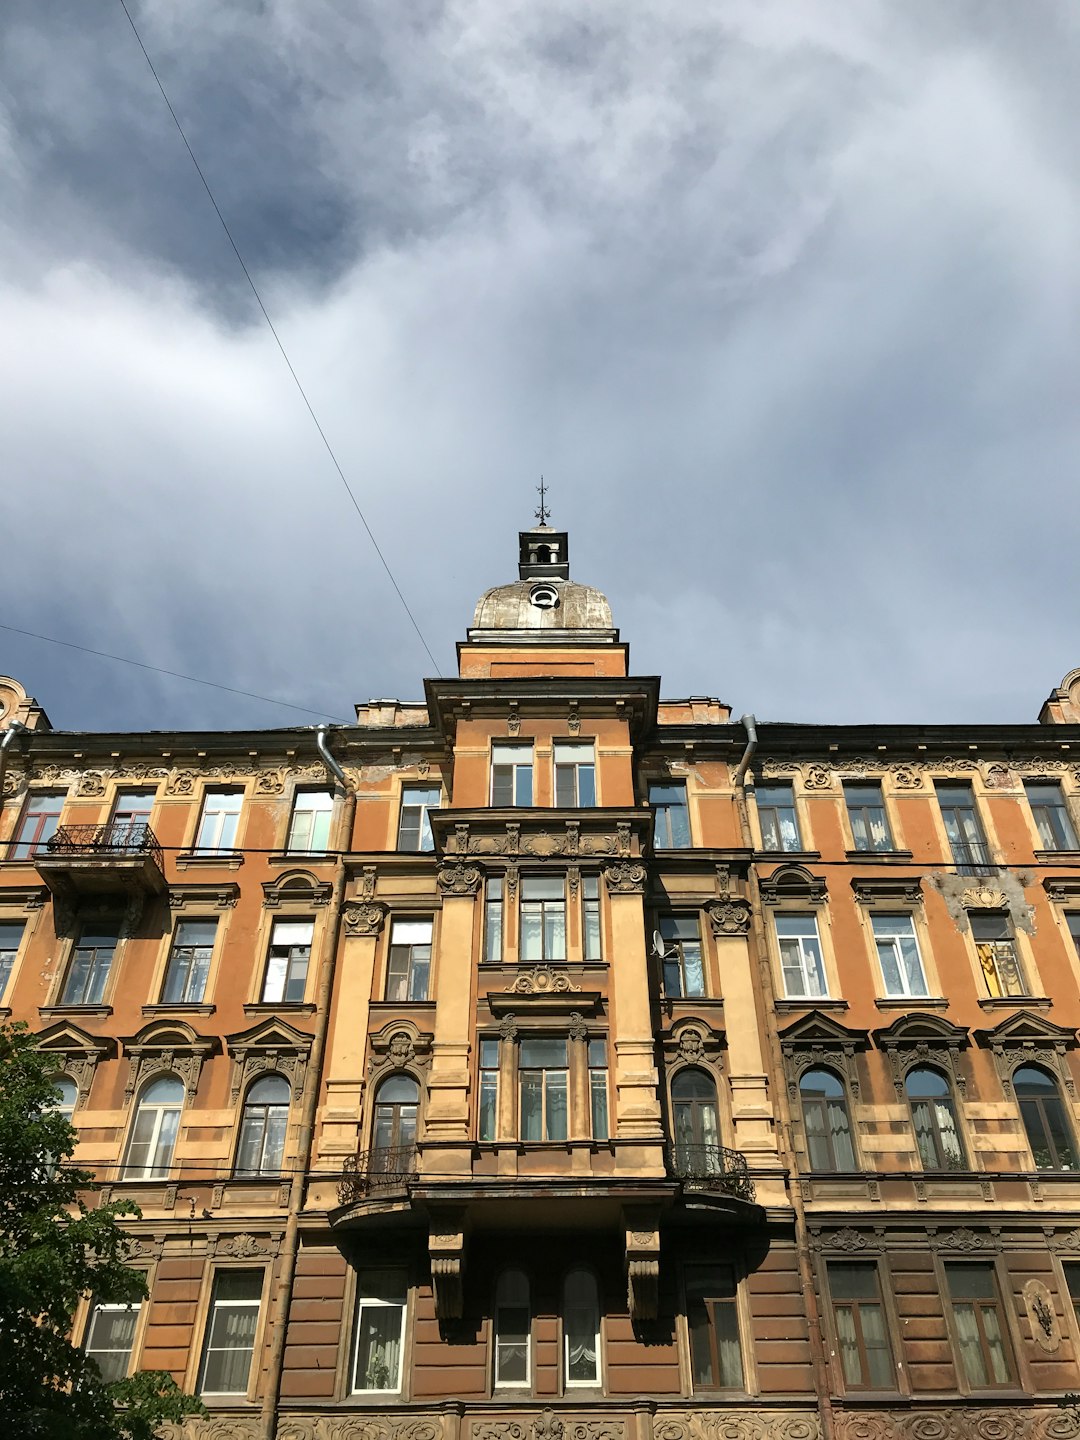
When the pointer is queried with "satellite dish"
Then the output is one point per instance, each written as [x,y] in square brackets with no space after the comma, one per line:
[659,949]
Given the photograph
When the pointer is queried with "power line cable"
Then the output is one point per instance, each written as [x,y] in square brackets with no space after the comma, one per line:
[277,338]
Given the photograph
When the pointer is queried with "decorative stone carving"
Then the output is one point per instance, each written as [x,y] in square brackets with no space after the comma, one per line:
[906,777]
[848,1240]
[887,890]
[513,874]
[573,880]
[691,1045]
[513,721]
[748,1425]
[625,878]
[91,785]
[296,887]
[793,882]
[272,1045]
[963,1239]
[77,1055]
[171,1048]
[242,1247]
[446,1247]
[543,845]
[221,897]
[548,1426]
[919,1040]
[508,1027]
[730,915]
[400,1046]
[573,720]
[543,980]
[642,1261]
[818,1041]
[459,879]
[363,917]
[1042,1316]
[576,1027]
[143,1247]
[984,897]
[269,782]
[817,777]
[1067,1241]
[1028,1039]
[181,782]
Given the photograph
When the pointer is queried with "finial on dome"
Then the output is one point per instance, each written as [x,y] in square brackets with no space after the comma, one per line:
[542,513]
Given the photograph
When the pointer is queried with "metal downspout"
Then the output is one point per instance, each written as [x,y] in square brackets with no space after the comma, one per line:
[15,727]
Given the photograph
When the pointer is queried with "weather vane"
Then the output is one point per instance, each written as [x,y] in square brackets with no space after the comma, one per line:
[543,514]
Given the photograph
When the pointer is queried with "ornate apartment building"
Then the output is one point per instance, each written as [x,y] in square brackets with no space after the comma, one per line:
[549,1061]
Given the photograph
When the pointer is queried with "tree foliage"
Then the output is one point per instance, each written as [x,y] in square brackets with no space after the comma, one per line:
[55,1247]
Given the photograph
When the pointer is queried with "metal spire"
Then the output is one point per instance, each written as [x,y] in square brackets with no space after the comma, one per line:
[542,513]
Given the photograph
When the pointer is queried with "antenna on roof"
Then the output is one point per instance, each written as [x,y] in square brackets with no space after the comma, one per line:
[542,513]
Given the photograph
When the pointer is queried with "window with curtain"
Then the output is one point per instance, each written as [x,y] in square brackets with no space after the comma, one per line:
[1051,815]
[489,1089]
[542,1079]
[110,1334]
[778,818]
[409,963]
[380,1331]
[189,962]
[859,1316]
[575,774]
[543,918]
[866,813]
[933,1117]
[590,917]
[995,945]
[680,943]
[153,1134]
[230,1332]
[696,1123]
[581,1329]
[397,1102]
[414,824]
[712,1319]
[512,1328]
[67,1096]
[598,1088]
[801,960]
[10,939]
[980,1328]
[826,1121]
[91,962]
[287,962]
[671,826]
[309,826]
[262,1127]
[1048,1130]
[970,852]
[898,954]
[493,920]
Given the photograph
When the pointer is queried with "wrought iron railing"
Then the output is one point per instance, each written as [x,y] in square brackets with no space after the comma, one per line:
[972,857]
[377,1172]
[711,1167]
[119,838]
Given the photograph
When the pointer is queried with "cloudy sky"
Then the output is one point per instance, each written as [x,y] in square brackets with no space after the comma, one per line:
[780,295]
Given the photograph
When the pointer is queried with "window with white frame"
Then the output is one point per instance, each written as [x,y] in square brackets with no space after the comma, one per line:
[153,1135]
[511,775]
[110,1335]
[493,920]
[263,1126]
[309,826]
[590,917]
[219,822]
[230,1332]
[581,1329]
[189,962]
[380,1331]
[512,1331]
[409,963]
[800,957]
[575,774]
[680,947]
[91,962]
[488,1118]
[598,1088]
[414,824]
[287,962]
[11,935]
[543,918]
[898,952]
[542,1079]
[68,1094]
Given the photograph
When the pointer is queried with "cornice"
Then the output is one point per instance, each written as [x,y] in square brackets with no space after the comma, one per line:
[639,696]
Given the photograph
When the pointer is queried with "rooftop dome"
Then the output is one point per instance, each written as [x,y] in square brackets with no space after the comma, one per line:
[543,603]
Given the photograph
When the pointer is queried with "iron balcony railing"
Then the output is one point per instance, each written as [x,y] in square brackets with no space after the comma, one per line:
[126,839]
[711,1167]
[377,1172]
[972,857]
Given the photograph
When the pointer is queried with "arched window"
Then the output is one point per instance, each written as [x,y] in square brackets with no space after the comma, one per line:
[933,1115]
[697,1133]
[153,1135]
[396,1103]
[581,1329]
[512,1317]
[262,1129]
[68,1093]
[825,1118]
[1043,1114]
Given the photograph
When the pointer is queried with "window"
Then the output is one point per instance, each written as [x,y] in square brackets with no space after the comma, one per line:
[489,1089]
[1048,1131]
[68,1094]
[512,1324]
[380,1331]
[262,1128]
[1051,816]
[287,963]
[697,1131]
[410,960]
[866,812]
[396,1103]
[189,962]
[826,1122]
[680,945]
[493,921]
[860,1327]
[110,1334]
[90,964]
[779,822]
[800,957]
[153,1135]
[219,821]
[131,817]
[995,946]
[230,1334]
[1074,930]
[575,775]
[598,1088]
[980,1327]
[38,824]
[10,939]
[713,1322]
[511,775]
[933,1115]
[898,952]
[671,825]
[543,918]
[1072,1280]
[970,852]
[590,917]
[309,828]
[414,826]
[542,1076]
[581,1329]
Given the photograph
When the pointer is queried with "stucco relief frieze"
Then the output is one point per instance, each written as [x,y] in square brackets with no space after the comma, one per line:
[543,980]
[730,915]
[964,1239]
[626,878]
[1007,1422]
[543,844]
[735,1425]
[363,917]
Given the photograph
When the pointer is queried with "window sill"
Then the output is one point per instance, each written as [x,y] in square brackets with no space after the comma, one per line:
[1016,1002]
[271,1007]
[811,1002]
[912,1002]
[48,1012]
[879,857]
[222,860]
[795,857]
[397,1004]
[302,857]
[1057,857]
[179,1008]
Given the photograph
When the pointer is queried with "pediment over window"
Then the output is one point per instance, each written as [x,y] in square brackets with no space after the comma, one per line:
[921,1040]
[399,1045]
[77,1052]
[295,887]
[817,1040]
[1025,1027]
[166,1046]
[818,1028]
[272,1044]
[921,1029]
[793,882]
[1028,1039]
[888,890]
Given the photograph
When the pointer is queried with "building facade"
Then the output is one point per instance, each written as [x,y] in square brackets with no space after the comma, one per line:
[547,1060]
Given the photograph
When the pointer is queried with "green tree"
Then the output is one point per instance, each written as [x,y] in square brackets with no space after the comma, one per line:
[54,1249]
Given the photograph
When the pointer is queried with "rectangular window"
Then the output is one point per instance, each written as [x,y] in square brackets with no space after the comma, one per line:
[219,822]
[89,969]
[131,818]
[110,1335]
[800,957]
[511,775]
[684,970]
[542,1074]
[671,824]
[866,812]
[230,1332]
[1074,930]
[598,1088]
[410,960]
[493,921]
[489,1089]
[1052,819]
[970,852]
[898,952]
[380,1331]
[860,1327]
[287,962]
[543,918]
[1072,1280]
[189,962]
[995,945]
[779,822]
[10,939]
[414,826]
[309,828]
[575,775]
[38,824]
[980,1325]
[590,917]
[713,1322]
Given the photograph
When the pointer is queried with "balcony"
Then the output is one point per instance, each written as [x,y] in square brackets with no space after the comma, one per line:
[97,860]
[378,1174]
[711,1169]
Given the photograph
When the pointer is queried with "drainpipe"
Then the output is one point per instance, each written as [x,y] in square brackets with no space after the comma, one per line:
[780,1098]
[15,727]
[290,1246]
